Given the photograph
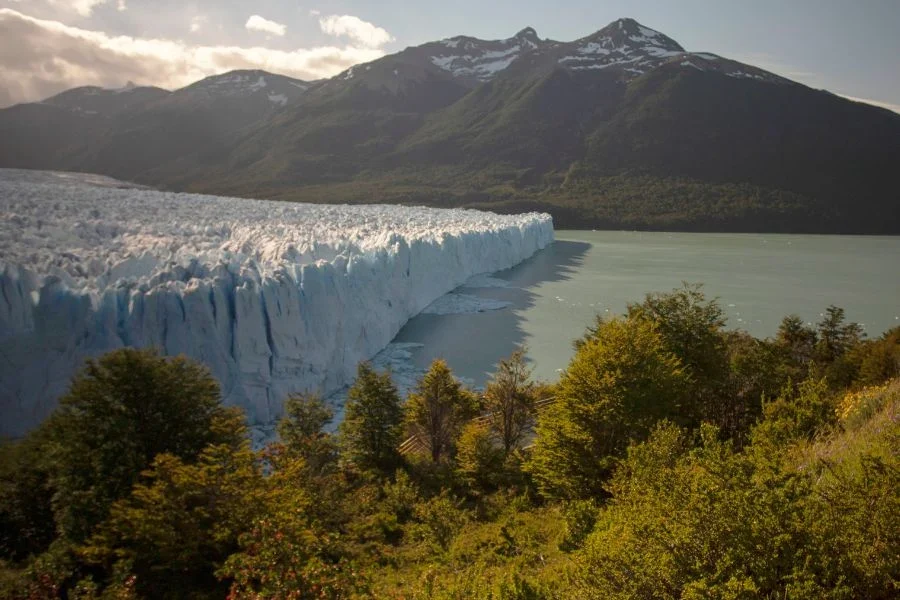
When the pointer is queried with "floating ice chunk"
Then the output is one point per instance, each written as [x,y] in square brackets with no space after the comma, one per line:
[458,304]
[485,281]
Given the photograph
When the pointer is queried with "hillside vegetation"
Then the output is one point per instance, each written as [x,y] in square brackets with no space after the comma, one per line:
[673,459]
[622,128]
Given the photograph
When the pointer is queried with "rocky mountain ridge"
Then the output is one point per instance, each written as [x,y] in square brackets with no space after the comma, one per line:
[620,128]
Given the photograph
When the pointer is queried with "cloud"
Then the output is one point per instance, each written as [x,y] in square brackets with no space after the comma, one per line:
[84,7]
[356,29]
[198,22]
[39,58]
[257,23]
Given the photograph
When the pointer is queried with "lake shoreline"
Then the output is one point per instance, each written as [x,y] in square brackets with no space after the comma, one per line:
[758,278]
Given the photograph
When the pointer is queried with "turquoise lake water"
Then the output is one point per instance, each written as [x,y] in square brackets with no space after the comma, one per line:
[758,279]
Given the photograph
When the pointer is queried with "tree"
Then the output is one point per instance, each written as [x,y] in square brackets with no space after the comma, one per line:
[692,329]
[694,523]
[286,551]
[26,516]
[121,411]
[879,360]
[835,356]
[181,522]
[834,336]
[796,339]
[795,414]
[690,517]
[438,409]
[509,401]
[373,422]
[613,391]
[755,372]
[441,518]
[479,459]
[301,430]
[690,325]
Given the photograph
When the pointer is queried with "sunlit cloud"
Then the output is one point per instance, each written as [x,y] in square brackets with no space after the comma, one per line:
[39,58]
[84,8]
[257,23]
[356,29]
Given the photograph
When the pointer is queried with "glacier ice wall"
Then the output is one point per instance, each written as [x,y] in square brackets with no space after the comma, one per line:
[273,297]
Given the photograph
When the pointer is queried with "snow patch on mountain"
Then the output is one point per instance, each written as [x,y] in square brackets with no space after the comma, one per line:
[592,48]
[745,75]
[238,83]
[247,84]
[273,297]
[625,42]
[482,66]
[480,60]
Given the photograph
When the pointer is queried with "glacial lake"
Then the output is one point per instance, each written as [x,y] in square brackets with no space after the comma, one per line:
[554,296]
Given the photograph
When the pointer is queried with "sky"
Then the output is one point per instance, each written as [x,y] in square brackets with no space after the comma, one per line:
[851,48]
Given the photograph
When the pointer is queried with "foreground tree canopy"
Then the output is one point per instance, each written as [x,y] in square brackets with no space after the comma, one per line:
[621,381]
[373,422]
[677,459]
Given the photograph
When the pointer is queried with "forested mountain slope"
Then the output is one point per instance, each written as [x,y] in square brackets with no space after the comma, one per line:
[621,128]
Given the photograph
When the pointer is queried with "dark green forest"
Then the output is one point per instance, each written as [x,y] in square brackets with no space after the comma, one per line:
[674,458]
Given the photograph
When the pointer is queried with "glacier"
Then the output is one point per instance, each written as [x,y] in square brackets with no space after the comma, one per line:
[273,297]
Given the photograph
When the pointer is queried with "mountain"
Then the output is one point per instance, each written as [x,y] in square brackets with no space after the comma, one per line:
[52,133]
[134,132]
[92,100]
[623,128]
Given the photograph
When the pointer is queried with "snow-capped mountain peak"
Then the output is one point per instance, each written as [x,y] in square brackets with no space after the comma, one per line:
[235,83]
[246,83]
[528,37]
[480,60]
[625,44]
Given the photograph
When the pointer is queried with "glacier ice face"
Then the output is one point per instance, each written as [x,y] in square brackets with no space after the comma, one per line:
[273,297]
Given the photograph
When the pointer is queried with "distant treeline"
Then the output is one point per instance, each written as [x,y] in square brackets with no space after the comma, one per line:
[673,459]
